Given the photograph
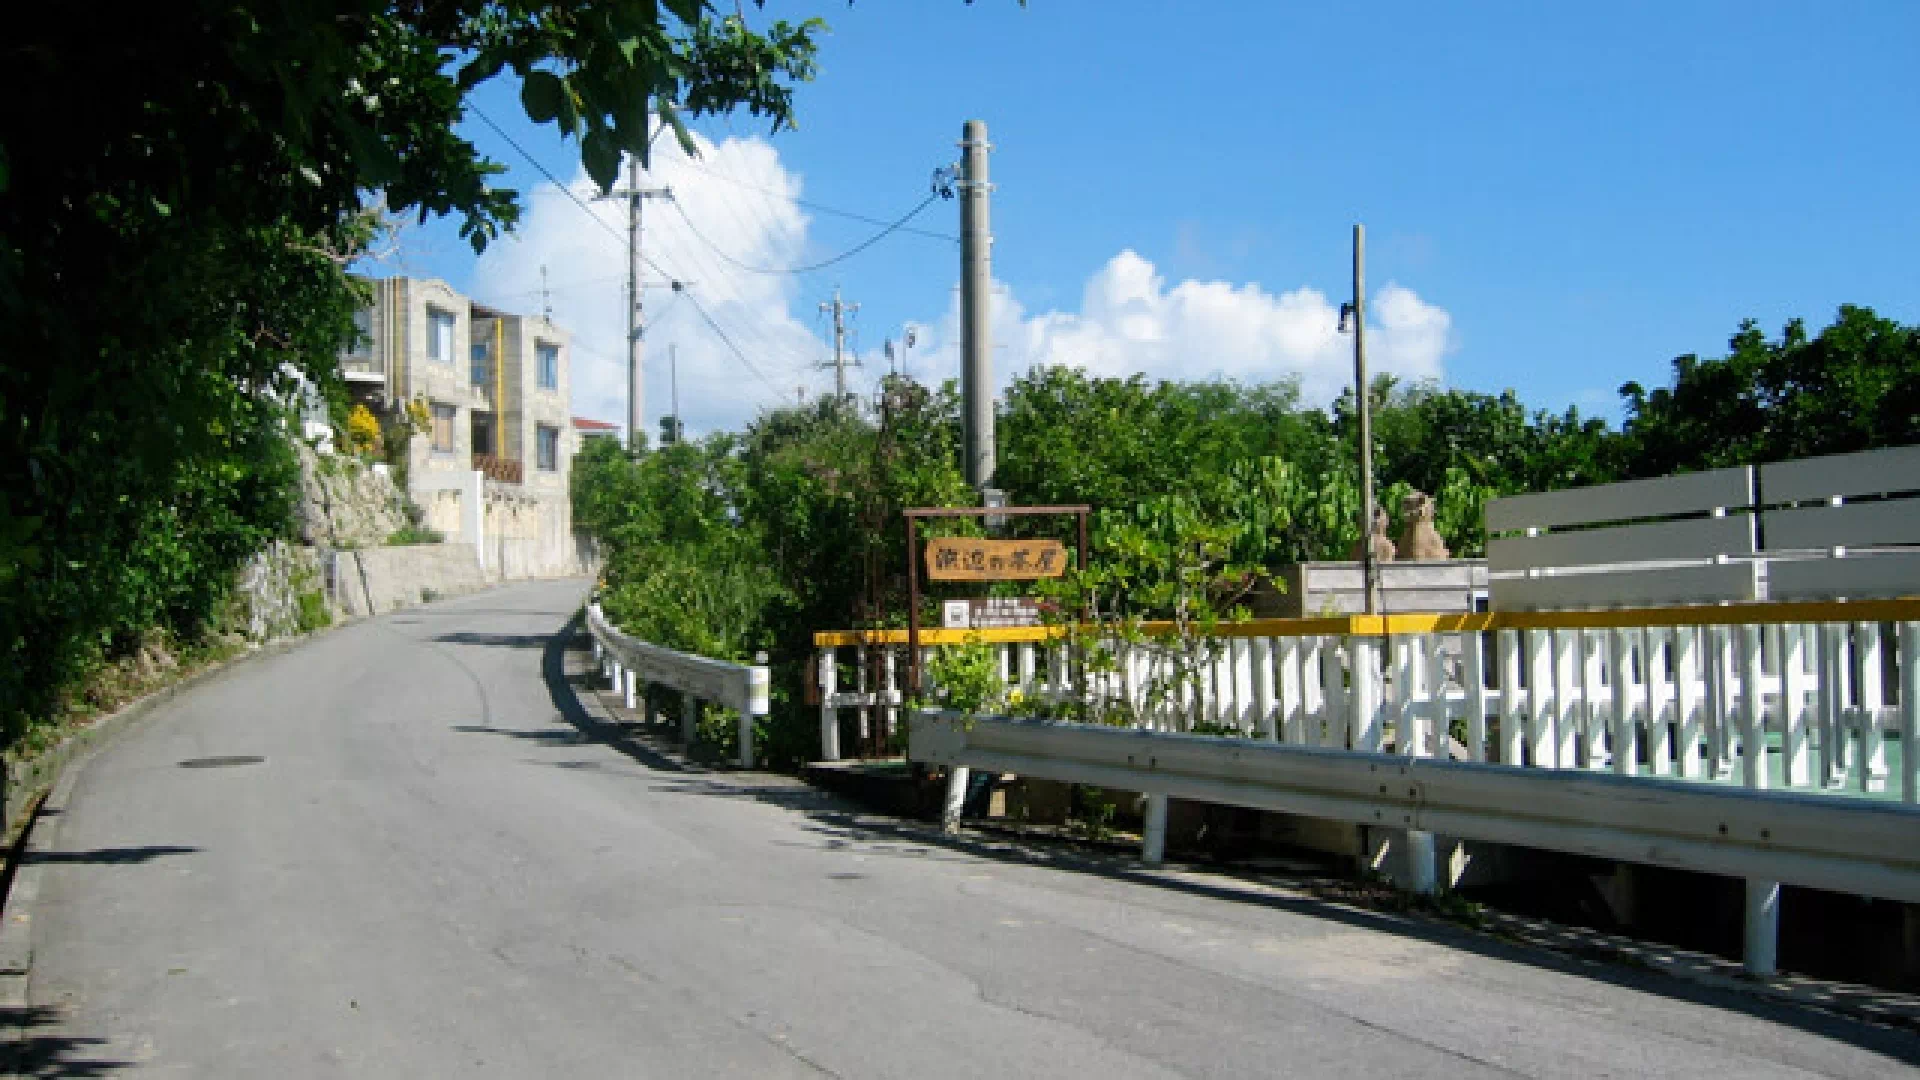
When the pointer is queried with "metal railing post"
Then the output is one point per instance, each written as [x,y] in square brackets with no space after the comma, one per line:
[1153,846]
[758,704]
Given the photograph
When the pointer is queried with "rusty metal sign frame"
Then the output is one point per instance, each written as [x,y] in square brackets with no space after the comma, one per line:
[915,516]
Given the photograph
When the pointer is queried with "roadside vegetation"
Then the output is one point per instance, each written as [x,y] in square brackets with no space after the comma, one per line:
[174,256]
[753,541]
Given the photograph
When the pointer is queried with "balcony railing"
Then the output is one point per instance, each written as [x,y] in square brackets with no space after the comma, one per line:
[500,470]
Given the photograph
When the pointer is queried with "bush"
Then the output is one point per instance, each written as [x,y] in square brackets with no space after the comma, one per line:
[413,534]
[313,614]
[363,432]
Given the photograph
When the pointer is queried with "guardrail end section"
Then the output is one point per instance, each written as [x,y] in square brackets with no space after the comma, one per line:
[935,738]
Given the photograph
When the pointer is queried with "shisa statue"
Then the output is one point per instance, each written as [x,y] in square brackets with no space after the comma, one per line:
[1382,546]
[1418,538]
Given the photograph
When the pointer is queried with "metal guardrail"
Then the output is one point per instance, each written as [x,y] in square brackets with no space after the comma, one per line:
[1850,846]
[629,663]
[1766,837]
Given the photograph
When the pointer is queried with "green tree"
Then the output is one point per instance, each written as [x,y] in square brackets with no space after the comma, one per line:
[1854,387]
[177,210]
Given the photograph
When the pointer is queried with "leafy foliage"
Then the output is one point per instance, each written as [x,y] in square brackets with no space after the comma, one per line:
[1200,490]
[1854,387]
[172,255]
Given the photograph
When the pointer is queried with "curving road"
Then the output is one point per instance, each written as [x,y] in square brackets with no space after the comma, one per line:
[439,867]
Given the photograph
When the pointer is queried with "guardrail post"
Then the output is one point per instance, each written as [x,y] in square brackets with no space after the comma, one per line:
[1763,927]
[689,719]
[1153,846]
[633,679]
[828,675]
[759,702]
[615,676]
[956,798]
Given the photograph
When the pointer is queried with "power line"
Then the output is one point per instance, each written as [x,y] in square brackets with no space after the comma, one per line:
[863,245]
[751,366]
[821,207]
[554,180]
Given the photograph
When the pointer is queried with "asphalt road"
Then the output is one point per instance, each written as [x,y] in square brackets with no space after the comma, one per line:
[439,867]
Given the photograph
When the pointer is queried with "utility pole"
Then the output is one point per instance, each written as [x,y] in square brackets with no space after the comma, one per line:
[976,300]
[636,316]
[840,313]
[1363,407]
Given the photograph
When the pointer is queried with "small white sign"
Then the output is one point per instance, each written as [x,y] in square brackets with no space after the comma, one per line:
[956,614]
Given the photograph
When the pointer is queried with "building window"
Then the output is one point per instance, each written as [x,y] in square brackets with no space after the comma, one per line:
[549,365]
[439,336]
[547,451]
[444,417]
[362,333]
[482,370]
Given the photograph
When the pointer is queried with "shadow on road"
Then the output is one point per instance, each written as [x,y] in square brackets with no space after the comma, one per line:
[108,856]
[25,1053]
[566,701]
[496,641]
[840,824]
[543,736]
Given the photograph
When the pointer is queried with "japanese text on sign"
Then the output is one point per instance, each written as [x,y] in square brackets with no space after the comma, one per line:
[966,558]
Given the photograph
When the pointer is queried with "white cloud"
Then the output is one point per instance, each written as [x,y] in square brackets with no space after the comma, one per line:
[1130,319]
[752,216]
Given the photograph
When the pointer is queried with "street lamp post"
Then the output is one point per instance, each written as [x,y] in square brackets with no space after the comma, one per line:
[1354,315]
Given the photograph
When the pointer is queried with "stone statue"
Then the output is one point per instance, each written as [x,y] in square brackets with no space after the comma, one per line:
[1418,538]
[1382,547]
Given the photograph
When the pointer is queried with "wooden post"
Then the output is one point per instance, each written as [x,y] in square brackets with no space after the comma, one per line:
[1619,660]
[1909,713]
[829,716]
[1474,671]
[1753,719]
[1687,704]
[1512,717]
[1364,696]
[1793,643]
[1261,649]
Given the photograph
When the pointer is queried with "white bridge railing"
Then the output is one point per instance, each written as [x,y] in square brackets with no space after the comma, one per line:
[1816,697]
[629,664]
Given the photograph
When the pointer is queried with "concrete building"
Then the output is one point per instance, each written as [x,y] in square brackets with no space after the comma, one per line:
[492,469]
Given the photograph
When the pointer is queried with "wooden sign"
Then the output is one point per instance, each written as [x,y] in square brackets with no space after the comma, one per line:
[967,558]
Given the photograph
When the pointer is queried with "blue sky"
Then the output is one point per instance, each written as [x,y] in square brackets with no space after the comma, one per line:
[1566,196]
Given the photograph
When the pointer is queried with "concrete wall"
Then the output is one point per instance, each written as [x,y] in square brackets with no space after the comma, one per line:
[375,580]
[529,535]
[271,587]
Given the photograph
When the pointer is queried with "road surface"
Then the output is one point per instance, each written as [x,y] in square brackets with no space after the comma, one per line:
[439,867]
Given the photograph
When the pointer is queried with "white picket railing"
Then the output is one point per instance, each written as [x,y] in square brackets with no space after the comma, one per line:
[629,664]
[1818,698]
